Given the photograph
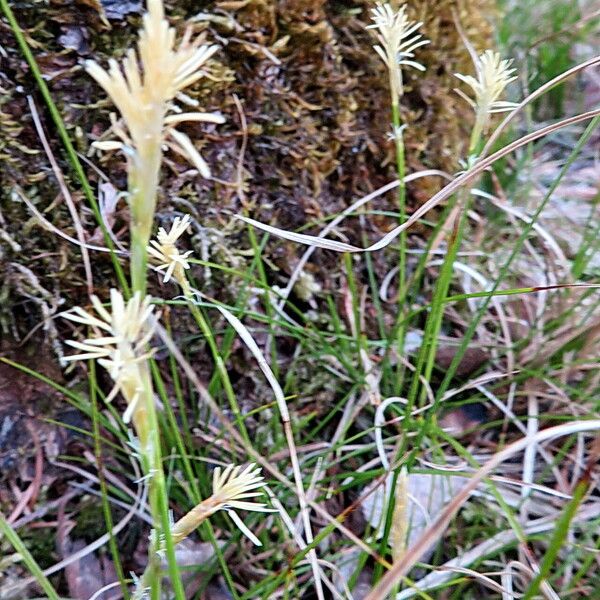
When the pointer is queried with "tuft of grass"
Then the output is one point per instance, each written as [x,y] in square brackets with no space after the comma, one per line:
[323,391]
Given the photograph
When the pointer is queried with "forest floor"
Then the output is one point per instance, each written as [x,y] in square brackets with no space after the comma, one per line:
[306,105]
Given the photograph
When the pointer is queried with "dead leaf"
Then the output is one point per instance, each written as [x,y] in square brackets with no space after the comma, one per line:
[428,495]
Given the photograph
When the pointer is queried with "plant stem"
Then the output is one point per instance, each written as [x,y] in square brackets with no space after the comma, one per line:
[441,290]
[146,425]
[401,171]
[143,190]
[220,365]
[112,542]
[262,275]
[426,356]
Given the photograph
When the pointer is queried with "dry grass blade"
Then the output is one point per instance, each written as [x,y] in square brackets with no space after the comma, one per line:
[51,227]
[285,418]
[66,195]
[348,211]
[442,195]
[436,530]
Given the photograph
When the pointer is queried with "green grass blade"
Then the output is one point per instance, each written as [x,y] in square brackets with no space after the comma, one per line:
[28,559]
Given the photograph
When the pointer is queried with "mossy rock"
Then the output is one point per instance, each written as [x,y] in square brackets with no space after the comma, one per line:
[316,102]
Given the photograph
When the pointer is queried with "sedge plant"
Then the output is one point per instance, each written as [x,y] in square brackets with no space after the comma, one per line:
[492,77]
[145,88]
[398,39]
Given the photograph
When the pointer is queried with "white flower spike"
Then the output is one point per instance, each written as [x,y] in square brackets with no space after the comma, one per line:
[145,84]
[119,342]
[398,39]
[164,250]
[493,75]
[231,490]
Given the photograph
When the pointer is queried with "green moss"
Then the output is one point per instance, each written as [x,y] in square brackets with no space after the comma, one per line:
[41,542]
[88,524]
[315,98]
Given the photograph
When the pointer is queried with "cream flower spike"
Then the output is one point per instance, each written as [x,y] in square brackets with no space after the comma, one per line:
[398,40]
[231,490]
[165,252]
[493,75]
[145,84]
[119,342]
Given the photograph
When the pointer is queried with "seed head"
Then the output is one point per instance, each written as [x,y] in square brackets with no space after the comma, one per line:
[163,249]
[232,485]
[231,489]
[397,42]
[145,84]
[400,518]
[119,342]
[493,75]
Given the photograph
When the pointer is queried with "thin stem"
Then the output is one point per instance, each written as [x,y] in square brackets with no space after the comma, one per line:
[143,189]
[355,298]
[426,356]
[138,261]
[146,425]
[112,542]
[401,171]
[411,290]
[220,365]
[441,291]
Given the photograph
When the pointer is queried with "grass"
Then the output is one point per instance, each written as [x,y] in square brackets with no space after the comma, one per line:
[325,362]
[30,562]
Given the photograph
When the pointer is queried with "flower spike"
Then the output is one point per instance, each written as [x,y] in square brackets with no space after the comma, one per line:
[119,342]
[232,488]
[493,75]
[398,39]
[164,251]
[145,84]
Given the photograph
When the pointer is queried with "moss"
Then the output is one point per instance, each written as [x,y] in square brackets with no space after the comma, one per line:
[314,95]
[41,542]
[88,526]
